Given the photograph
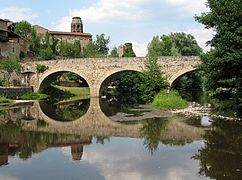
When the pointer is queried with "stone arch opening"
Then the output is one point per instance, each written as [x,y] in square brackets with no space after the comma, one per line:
[68,99]
[56,78]
[118,90]
[189,85]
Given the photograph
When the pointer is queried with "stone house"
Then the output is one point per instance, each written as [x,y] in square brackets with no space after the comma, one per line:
[11,44]
[76,34]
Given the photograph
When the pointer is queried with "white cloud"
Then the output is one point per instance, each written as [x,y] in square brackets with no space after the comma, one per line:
[202,36]
[105,11]
[140,49]
[194,7]
[17,14]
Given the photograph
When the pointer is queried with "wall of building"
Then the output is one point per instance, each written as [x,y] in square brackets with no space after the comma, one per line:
[10,49]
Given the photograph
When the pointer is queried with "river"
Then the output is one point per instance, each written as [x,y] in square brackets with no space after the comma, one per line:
[100,139]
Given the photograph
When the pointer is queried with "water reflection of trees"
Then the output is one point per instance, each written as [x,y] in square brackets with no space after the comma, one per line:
[221,157]
[151,130]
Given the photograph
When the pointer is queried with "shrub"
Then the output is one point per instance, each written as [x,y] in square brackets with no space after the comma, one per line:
[170,100]
[41,68]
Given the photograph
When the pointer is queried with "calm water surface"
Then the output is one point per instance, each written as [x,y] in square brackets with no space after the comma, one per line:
[86,140]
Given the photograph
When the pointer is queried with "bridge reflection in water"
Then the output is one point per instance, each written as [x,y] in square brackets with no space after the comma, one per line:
[32,131]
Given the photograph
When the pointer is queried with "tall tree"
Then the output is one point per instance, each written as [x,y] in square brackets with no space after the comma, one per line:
[222,65]
[102,43]
[26,31]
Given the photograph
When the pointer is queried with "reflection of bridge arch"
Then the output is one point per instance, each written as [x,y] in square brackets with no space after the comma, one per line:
[95,71]
[95,123]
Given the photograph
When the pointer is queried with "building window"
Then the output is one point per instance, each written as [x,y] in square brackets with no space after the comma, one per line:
[13,49]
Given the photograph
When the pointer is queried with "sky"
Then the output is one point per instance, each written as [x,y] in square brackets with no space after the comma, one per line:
[135,21]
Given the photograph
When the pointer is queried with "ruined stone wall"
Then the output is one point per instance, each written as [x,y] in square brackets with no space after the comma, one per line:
[10,49]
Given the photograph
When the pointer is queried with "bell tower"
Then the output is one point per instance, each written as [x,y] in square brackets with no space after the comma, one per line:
[76,25]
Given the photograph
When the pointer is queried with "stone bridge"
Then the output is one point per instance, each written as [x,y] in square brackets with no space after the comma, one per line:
[96,70]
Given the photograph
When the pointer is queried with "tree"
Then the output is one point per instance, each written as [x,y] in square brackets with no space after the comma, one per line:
[102,43]
[129,52]
[91,51]
[114,52]
[70,50]
[9,66]
[222,65]
[26,31]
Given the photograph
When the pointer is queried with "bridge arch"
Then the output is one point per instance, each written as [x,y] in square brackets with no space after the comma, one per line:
[180,73]
[105,79]
[47,77]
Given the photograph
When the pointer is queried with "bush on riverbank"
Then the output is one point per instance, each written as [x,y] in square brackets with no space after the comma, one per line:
[33,96]
[4,100]
[171,100]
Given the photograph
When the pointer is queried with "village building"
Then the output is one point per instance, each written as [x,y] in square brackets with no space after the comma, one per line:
[76,34]
[11,44]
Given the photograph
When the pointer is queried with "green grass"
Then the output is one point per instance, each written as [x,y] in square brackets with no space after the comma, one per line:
[5,100]
[33,96]
[170,100]
[79,92]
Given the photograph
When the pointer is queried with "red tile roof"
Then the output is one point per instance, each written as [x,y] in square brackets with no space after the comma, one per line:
[69,33]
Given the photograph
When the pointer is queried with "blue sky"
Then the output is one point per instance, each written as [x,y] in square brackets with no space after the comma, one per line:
[135,21]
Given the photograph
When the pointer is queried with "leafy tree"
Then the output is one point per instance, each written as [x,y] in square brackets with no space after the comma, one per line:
[114,52]
[70,50]
[222,65]
[91,51]
[46,54]
[9,66]
[129,52]
[102,43]
[24,29]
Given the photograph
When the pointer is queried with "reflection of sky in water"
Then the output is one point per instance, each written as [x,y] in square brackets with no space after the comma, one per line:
[121,158]
[205,121]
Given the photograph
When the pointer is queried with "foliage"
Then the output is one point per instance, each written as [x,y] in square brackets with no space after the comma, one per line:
[46,54]
[4,100]
[222,65]
[70,50]
[41,68]
[189,86]
[10,66]
[33,96]
[91,51]
[102,44]
[175,44]
[25,30]
[114,52]
[129,52]
[151,130]
[222,142]
[171,100]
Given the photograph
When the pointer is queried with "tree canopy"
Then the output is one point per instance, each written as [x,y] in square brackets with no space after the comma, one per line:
[222,65]
[102,43]
[129,52]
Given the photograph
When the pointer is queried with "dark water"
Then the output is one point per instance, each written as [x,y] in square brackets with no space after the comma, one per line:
[44,141]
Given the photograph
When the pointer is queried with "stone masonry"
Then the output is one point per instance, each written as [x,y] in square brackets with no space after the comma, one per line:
[96,70]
